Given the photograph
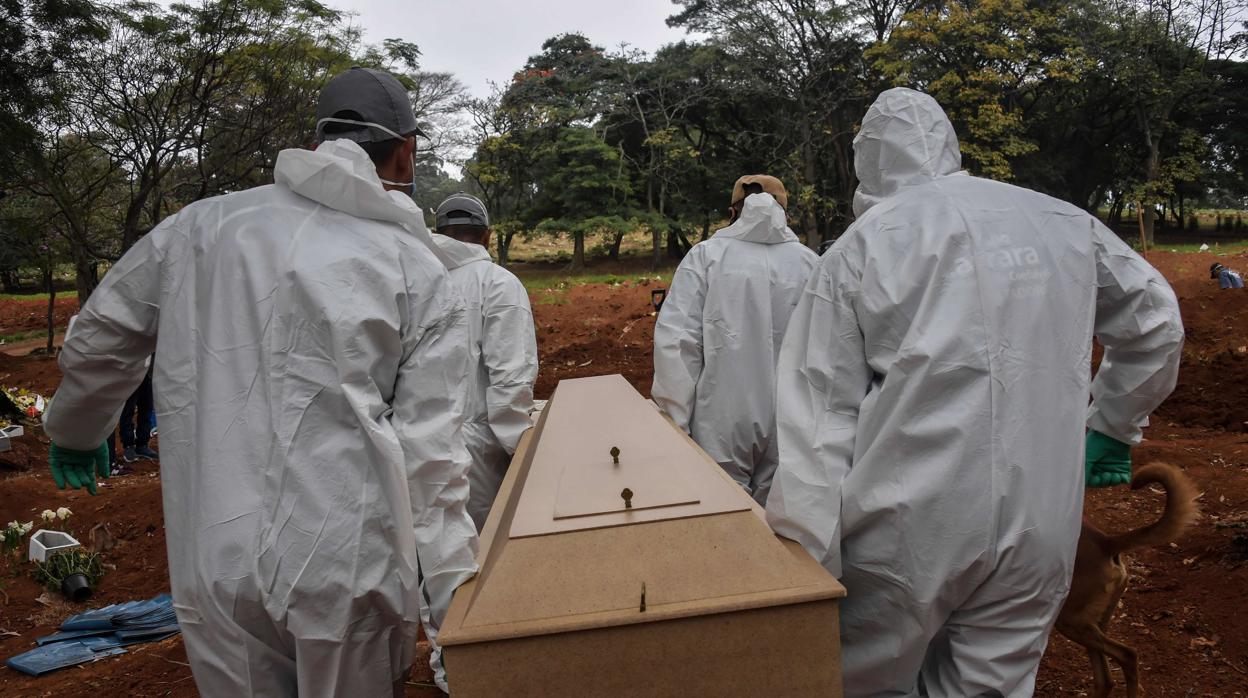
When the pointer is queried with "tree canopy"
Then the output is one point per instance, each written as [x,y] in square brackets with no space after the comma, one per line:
[116,114]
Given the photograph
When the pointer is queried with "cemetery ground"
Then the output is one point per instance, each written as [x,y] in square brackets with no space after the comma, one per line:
[1186,610]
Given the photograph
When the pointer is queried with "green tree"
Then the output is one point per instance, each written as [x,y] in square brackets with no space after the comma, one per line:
[1169,49]
[38,36]
[500,169]
[177,104]
[516,130]
[987,62]
[581,189]
[27,240]
[1228,129]
[802,79]
[653,100]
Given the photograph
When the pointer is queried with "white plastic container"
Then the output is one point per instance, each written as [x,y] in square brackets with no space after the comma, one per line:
[45,543]
[7,434]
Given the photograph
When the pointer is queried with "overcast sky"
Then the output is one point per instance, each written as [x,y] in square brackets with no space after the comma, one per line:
[488,40]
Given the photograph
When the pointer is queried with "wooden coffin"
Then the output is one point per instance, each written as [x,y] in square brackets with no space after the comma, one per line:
[682,590]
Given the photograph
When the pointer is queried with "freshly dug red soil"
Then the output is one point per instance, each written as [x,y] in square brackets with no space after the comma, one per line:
[596,330]
[21,315]
[1185,612]
[1213,385]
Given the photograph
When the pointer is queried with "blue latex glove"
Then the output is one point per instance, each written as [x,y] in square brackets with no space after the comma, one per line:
[1107,461]
[78,468]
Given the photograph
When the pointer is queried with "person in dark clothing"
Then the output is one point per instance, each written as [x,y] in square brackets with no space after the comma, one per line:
[135,426]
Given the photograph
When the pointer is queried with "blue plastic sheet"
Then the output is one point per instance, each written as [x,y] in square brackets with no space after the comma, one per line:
[48,658]
[102,632]
[129,615]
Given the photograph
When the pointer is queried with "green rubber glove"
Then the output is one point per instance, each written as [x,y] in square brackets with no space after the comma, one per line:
[1107,461]
[78,468]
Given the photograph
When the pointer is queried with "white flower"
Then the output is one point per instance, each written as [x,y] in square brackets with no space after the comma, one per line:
[63,513]
[27,526]
[48,516]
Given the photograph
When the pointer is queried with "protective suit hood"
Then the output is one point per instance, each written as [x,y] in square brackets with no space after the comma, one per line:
[762,220]
[905,140]
[340,175]
[931,407]
[457,253]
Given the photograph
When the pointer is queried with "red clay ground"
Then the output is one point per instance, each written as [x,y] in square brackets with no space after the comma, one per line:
[1186,611]
[18,315]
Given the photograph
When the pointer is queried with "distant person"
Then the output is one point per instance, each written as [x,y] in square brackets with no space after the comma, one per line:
[136,424]
[719,332]
[932,403]
[502,347]
[1227,278]
[309,373]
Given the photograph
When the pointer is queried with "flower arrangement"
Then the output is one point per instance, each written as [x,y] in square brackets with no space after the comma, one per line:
[28,402]
[50,518]
[11,543]
[12,535]
[56,520]
[72,572]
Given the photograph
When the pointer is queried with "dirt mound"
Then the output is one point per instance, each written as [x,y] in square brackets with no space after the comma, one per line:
[595,330]
[38,373]
[137,568]
[1213,382]
[1212,393]
[21,315]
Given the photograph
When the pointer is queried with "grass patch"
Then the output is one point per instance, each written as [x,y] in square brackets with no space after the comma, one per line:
[551,288]
[549,297]
[27,335]
[536,282]
[37,296]
[1219,248]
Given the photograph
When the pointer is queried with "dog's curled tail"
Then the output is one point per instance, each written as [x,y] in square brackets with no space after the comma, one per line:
[1181,509]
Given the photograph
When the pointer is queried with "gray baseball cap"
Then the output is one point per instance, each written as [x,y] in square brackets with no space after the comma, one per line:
[461,209]
[377,102]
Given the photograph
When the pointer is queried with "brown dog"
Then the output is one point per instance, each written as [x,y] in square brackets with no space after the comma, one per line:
[1101,576]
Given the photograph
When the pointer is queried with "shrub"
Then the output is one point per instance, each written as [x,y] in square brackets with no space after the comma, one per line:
[61,565]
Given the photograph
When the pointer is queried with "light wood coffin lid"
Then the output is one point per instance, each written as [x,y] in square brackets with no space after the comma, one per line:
[540,574]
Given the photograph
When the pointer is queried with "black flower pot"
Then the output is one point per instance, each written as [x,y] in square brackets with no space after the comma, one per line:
[76,588]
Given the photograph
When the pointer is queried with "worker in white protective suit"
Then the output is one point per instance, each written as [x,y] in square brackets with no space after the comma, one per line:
[310,363]
[932,398]
[503,347]
[719,332]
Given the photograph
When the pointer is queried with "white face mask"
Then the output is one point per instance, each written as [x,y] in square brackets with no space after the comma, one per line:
[410,185]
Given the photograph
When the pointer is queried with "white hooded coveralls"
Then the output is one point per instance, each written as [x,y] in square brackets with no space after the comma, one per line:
[309,380]
[932,397]
[718,335]
[503,366]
